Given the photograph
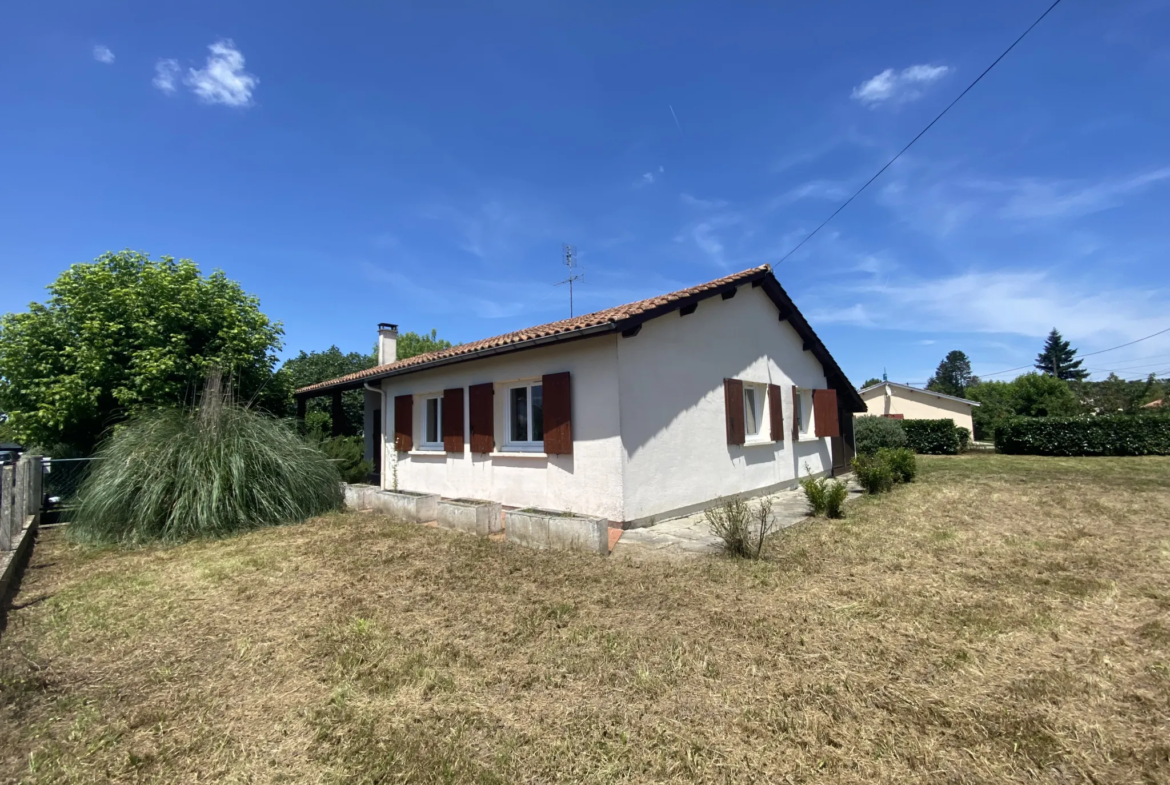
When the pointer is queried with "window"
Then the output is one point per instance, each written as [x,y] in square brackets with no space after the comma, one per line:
[525,417]
[433,423]
[751,411]
[798,410]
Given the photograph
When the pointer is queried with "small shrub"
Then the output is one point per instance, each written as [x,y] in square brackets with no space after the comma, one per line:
[348,455]
[742,527]
[873,473]
[931,437]
[835,496]
[1108,434]
[871,433]
[903,463]
[815,490]
[964,437]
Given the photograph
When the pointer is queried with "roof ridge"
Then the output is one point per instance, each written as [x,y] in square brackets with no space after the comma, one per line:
[572,324]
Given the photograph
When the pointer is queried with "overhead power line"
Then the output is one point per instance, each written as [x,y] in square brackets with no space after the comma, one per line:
[1087,354]
[920,133]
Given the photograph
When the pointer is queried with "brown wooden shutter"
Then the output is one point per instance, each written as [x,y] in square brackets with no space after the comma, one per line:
[558,413]
[795,412]
[480,409]
[453,420]
[733,409]
[825,413]
[776,412]
[403,423]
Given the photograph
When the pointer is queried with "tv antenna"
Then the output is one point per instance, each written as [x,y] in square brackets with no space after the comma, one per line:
[570,261]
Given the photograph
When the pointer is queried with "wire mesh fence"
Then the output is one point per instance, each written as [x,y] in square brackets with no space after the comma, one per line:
[63,479]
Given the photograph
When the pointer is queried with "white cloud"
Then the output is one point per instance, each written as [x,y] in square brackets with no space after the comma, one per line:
[1026,303]
[223,80]
[103,54]
[898,86]
[1034,198]
[647,178]
[165,74]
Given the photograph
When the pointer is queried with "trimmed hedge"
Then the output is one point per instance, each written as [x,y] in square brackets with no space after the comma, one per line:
[1111,434]
[932,437]
[871,433]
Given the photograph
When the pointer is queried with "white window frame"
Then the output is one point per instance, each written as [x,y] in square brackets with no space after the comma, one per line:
[423,444]
[805,411]
[512,444]
[760,394]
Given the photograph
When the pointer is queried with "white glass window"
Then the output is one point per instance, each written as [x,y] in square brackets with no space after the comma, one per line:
[799,413]
[751,411]
[525,417]
[433,423]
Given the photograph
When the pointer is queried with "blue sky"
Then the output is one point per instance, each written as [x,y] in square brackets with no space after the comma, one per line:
[423,163]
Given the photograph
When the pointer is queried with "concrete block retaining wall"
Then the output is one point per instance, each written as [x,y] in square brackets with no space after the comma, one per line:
[549,530]
[470,515]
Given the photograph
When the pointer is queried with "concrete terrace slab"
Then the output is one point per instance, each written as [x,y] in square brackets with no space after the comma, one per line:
[691,536]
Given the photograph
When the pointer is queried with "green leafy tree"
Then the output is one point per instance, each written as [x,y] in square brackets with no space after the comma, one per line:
[125,334]
[413,344]
[870,383]
[953,375]
[315,367]
[1030,395]
[1059,359]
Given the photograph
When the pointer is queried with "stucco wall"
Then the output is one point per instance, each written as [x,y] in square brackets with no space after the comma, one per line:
[674,440]
[918,405]
[588,481]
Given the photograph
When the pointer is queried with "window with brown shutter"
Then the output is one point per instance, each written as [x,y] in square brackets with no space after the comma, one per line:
[558,413]
[733,410]
[825,413]
[480,412]
[776,412]
[403,423]
[453,420]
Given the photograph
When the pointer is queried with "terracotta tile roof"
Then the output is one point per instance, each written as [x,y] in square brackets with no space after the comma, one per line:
[609,317]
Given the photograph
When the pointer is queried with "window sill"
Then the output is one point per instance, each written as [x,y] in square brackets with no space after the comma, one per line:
[759,443]
[518,454]
[428,451]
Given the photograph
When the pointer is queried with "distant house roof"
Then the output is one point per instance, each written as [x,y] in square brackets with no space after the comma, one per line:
[1158,404]
[919,390]
[11,447]
[623,318]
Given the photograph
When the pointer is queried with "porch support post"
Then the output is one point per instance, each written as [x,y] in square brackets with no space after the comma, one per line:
[338,415]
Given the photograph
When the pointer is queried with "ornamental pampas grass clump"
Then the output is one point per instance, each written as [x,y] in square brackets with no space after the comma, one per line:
[213,470]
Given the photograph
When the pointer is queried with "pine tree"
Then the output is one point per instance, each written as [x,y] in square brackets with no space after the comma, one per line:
[953,375]
[1058,359]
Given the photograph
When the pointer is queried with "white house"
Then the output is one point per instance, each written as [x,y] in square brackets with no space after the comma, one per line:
[635,413]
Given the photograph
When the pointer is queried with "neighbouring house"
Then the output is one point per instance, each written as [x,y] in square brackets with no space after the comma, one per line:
[636,413]
[903,402]
[1158,404]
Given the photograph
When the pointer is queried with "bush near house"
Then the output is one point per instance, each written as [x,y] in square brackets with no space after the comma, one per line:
[964,437]
[931,437]
[871,433]
[1114,434]
[219,469]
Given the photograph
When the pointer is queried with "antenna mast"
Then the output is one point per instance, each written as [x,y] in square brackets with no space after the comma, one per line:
[570,261]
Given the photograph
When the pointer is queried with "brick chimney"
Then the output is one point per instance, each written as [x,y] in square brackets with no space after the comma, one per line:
[387,343]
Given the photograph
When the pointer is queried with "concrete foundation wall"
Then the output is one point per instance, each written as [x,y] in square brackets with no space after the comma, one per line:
[552,532]
[474,517]
[405,507]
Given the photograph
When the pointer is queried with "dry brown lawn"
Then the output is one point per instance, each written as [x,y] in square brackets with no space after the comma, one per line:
[1003,619]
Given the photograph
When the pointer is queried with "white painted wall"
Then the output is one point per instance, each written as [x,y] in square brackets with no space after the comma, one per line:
[589,481]
[917,405]
[674,438]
